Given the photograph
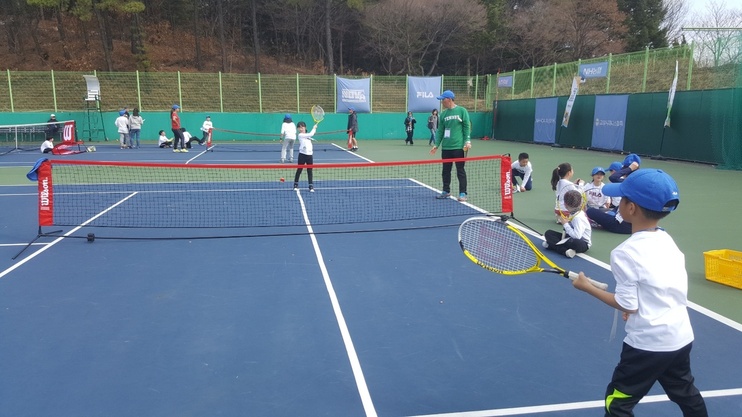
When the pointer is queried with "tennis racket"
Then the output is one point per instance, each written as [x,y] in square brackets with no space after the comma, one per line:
[318,114]
[573,203]
[499,247]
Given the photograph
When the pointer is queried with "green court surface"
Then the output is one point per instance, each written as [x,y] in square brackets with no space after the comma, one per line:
[706,219]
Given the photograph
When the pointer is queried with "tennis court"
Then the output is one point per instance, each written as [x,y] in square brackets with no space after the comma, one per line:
[355,300]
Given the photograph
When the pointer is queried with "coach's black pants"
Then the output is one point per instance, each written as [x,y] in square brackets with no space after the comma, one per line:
[637,372]
[448,166]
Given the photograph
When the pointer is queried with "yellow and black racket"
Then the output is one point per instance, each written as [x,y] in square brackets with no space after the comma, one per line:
[499,247]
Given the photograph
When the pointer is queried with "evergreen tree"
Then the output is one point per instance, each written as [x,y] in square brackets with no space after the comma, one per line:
[644,20]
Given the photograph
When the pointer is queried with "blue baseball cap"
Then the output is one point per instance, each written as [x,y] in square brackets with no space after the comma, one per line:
[122,112]
[176,107]
[351,109]
[631,158]
[447,94]
[286,116]
[652,189]
[597,170]
[615,166]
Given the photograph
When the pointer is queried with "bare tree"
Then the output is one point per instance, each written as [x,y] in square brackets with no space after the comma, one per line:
[566,30]
[677,10]
[409,36]
[717,43]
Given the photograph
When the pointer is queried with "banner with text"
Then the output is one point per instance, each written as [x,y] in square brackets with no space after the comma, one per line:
[571,100]
[504,81]
[594,70]
[544,127]
[353,93]
[609,125]
[422,93]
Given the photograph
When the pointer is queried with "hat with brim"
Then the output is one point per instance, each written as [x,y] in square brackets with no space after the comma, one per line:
[447,94]
[652,189]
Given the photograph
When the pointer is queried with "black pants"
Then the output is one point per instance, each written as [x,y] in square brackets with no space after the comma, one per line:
[178,138]
[639,369]
[552,237]
[409,137]
[448,166]
[304,160]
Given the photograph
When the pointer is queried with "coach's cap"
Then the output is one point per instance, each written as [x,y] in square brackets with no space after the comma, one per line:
[176,107]
[598,170]
[652,189]
[631,158]
[447,94]
[615,166]
[286,116]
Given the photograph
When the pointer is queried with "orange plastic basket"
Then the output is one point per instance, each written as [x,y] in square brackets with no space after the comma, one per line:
[724,266]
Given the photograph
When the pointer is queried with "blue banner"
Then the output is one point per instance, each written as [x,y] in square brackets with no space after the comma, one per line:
[609,125]
[505,81]
[544,126]
[422,93]
[355,94]
[594,70]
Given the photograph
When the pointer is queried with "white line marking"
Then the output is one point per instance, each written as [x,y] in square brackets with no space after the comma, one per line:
[59,239]
[355,363]
[517,411]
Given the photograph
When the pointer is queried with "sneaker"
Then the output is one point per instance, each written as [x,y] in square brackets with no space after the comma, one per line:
[296,186]
[176,150]
[443,195]
[545,244]
[311,189]
[291,160]
[283,161]
[462,197]
[570,253]
[184,150]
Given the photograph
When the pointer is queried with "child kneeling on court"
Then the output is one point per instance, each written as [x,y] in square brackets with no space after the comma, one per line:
[577,232]
[305,153]
[652,293]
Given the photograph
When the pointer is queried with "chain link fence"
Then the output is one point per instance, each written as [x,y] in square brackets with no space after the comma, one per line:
[645,71]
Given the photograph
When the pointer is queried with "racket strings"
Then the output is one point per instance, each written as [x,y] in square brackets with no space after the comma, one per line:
[493,244]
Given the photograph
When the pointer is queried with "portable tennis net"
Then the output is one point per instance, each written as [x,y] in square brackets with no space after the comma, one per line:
[74,193]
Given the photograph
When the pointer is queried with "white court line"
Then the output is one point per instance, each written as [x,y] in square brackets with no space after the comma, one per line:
[700,309]
[59,239]
[518,411]
[355,363]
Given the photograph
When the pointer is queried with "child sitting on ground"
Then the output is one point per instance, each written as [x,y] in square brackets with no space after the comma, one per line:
[577,232]
[163,141]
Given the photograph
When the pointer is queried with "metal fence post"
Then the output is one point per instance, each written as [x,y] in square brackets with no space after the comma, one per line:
[54,92]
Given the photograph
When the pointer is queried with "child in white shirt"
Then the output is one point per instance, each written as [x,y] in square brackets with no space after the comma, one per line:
[305,154]
[577,234]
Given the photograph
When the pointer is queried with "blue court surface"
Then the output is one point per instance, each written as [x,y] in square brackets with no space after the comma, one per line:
[321,322]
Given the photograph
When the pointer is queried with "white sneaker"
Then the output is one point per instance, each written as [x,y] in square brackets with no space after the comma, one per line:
[570,253]
[545,244]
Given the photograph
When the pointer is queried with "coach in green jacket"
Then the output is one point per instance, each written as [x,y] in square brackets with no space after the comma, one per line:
[454,139]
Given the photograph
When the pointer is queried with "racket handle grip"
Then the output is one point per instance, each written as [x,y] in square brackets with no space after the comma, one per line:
[597,284]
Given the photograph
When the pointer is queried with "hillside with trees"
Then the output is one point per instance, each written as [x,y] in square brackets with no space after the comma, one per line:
[386,37]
